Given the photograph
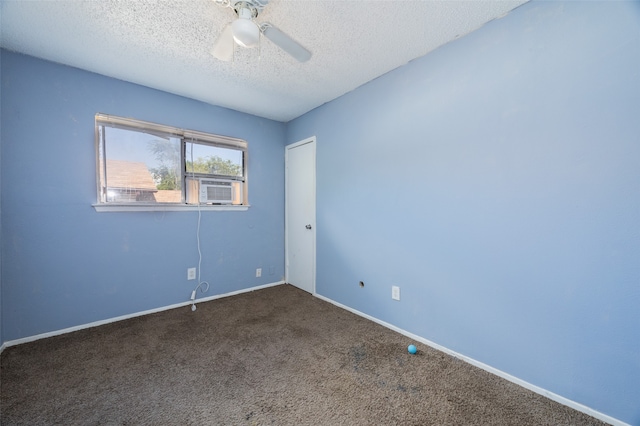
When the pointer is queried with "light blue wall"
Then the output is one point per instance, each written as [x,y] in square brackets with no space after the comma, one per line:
[1,334]
[64,264]
[497,182]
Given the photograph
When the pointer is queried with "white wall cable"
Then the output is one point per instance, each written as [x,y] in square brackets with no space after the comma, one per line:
[202,285]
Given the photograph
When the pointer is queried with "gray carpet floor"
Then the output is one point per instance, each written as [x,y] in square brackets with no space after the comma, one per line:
[276,356]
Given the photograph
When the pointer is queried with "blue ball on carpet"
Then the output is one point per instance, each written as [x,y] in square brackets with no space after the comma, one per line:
[412,349]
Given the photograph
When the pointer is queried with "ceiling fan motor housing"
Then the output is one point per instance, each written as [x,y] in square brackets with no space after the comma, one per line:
[255,6]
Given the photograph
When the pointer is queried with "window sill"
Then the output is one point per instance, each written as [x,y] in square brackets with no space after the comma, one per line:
[112,207]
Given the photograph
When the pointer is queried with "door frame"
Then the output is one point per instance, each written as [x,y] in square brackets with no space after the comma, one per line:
[310,140]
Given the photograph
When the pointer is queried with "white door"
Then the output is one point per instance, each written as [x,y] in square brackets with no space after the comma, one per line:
[300,211]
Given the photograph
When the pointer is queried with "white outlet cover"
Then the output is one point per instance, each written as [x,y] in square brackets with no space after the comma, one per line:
[395,292]
[258,272]
[191,273]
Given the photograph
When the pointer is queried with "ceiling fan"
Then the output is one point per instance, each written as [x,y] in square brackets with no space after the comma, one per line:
[245,32]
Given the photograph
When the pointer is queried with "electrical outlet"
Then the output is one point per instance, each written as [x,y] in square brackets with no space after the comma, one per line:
[258,272]
[395,292]
[191,273]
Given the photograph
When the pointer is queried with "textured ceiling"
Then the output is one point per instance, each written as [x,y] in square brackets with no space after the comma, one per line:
[166,44]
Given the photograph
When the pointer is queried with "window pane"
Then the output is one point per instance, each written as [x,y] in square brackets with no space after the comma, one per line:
[144,162]
[214,160]
[140,167]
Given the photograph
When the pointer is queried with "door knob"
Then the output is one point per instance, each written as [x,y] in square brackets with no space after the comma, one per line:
[308,226]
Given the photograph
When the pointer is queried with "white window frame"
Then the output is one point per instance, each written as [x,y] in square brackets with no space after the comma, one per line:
[186,137]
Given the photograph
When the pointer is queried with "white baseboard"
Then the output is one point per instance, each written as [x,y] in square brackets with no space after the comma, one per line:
[553,396]
[136,314]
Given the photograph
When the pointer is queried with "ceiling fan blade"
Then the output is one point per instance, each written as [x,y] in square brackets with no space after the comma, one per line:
[285,42]
[223,47]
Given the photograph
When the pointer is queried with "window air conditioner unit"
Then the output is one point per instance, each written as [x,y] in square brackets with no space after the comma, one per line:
[216,191]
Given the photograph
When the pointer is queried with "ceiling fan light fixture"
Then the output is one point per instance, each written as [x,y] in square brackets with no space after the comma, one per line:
[245,32]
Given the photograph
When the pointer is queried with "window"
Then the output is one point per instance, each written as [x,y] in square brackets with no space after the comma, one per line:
[147,164]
